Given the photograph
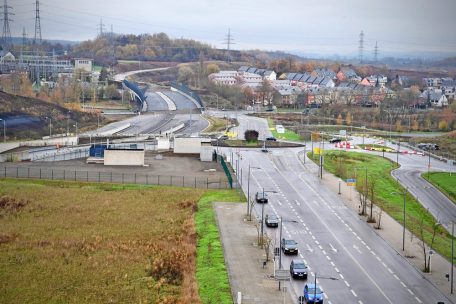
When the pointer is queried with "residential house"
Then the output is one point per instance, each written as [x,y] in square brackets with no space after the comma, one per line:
[243,69]
[449,88]
[290,76]
[432,83]
[435,97]
[375,80]
[84,64]
[348,74]
[325,72]
[286,96]
[227,78]
[251,70]
[269,75]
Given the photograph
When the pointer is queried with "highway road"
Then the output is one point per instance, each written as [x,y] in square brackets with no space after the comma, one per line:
[332,240]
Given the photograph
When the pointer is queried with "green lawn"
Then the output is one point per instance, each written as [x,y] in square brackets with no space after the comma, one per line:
[288,135]
[211,273]
[387,192]
[445,181]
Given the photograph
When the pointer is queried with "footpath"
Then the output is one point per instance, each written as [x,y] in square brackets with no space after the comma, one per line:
[244,259]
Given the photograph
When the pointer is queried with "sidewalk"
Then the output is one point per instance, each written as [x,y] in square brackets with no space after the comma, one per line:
[244,259]
[391,232]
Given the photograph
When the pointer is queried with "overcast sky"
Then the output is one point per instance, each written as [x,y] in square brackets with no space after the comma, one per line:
[308,27]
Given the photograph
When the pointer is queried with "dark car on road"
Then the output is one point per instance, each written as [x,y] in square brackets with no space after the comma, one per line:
[289,246]
[271,220]
[261,197]
[335,140]
[271,138]
[298,269]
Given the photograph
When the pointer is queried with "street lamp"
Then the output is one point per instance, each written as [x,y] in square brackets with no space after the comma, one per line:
[68,123]
[262,215]
[280,239]
[4,129]
[431,251]
[50,126]
[404,192]
[248,190]
[315,284]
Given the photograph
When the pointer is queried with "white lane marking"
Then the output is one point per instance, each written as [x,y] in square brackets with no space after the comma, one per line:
[336,269]
[419,301]
[353,292]
[390,271]
[332,264]
[402,283]
[301,255]
[360,302]
[411,292]
[317,216]
[341,276]
[324,252]
[357,249]
[332,248]
[396,277]
[316,242]
[298,203]
[278,202]
[309,248]
[346,283]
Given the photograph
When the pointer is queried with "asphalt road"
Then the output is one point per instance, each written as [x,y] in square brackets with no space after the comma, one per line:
[155,102]
[332,240]
[181,101]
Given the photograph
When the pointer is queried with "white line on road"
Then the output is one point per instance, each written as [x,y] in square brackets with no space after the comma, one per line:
[357,249]
[353,292]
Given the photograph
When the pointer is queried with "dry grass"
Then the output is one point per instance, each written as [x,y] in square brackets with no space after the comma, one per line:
[92,243]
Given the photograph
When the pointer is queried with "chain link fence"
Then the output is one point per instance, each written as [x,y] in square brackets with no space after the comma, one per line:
[114,177]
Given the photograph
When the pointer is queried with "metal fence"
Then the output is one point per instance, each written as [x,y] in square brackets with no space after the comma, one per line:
[114,177]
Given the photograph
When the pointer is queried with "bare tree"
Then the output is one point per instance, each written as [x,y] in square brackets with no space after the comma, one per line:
[371,218]
[423,245]
[379,218]
[267,241]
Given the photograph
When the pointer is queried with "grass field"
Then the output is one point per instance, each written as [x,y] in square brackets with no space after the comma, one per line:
[216,124]
[288,135]
[68,242]
[387,193]
[444,181]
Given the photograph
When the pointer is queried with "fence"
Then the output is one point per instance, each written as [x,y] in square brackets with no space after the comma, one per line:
[114,177]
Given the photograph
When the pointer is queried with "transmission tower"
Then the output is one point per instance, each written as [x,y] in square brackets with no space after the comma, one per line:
[228,41]
[6,35]
[375,52]
[101,27]
[361,46]
[37,37]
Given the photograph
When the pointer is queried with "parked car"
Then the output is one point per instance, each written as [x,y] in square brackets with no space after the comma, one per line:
[271,220]
[335,140]
[298,269]
[271,138]
[261,197]
[289,246]
[312,294]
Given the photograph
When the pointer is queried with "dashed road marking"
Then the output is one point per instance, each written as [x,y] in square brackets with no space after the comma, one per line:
[353,292]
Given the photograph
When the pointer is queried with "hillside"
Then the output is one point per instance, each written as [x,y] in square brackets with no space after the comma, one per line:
[26,117]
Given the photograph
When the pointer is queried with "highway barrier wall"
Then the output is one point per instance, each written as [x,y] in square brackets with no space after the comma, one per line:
[183,89]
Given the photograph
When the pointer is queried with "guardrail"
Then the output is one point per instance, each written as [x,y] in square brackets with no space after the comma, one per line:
[113,177]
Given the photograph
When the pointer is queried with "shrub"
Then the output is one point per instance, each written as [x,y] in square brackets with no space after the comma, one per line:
[251,135]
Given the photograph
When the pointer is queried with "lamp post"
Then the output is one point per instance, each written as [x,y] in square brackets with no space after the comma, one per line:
[4,129]
[315,284]
[248,189]
[262,215]
[50,126]
[431,251]
[76,126]
[452,255]
[280,238]
[68,123]
[404,193]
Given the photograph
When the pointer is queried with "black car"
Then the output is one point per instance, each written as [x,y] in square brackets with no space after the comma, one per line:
[289,246]
[261,197]
[335,140]
[271,138]
[298,269]
[271,220]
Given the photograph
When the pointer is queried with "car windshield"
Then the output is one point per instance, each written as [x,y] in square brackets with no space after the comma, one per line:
[290,242]
[261,194]
[272,217]
[312,290]
[299,265]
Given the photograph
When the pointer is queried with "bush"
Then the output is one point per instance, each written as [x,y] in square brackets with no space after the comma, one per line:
[251,135]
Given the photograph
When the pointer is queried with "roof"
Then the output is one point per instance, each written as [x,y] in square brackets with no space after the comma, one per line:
[311,79]
[325,81]
[325,72]
[251,70]
[268,73]
[243,68]
[290,76]
[348,72]
[298,76]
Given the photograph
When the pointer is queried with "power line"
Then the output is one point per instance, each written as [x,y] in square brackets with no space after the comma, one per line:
[6,34]
[37,23]
[361,46]
[228,41]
